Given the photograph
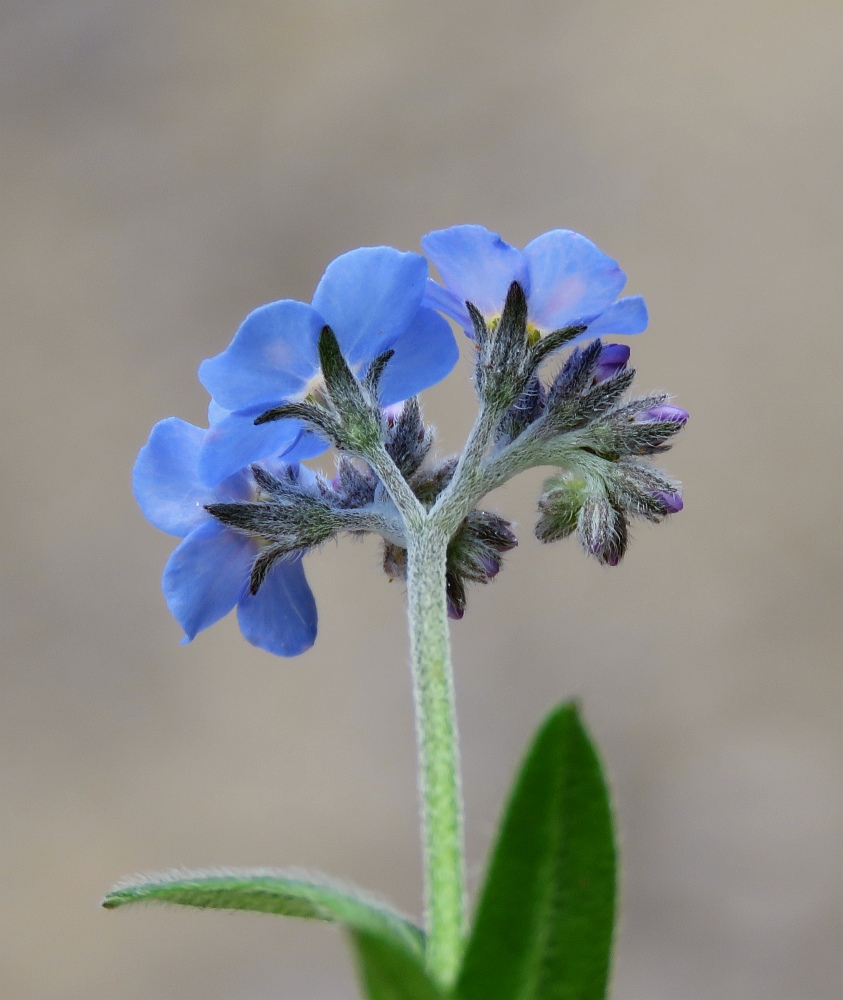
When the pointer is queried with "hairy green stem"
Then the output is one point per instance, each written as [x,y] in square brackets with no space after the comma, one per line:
[465,488]
[439,768]
[408,504]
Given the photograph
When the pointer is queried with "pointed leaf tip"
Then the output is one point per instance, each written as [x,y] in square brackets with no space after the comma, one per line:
[544,922]
[267,890]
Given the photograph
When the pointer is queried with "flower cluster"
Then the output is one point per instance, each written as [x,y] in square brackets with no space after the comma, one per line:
[345,370]
[372,300]
[578,422]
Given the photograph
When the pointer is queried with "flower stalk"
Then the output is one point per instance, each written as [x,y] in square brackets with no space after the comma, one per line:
[440,783]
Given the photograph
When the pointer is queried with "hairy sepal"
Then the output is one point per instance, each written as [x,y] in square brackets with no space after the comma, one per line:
[504,357]
[408,439]
[351,417]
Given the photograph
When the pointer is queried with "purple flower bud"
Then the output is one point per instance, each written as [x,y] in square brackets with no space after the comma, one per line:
[392,412]
[491,565]
[658,414]
[672,501]
[455,612]
[612,360]
[603,530]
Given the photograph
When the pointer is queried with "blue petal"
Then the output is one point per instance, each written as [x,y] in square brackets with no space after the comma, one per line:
[206,575]
[216,413]
[439,298]
[570,279]
[234,442]
[476,265]
[369,297]
[423,356]
[306,478]
[307,445]
[241,486]
[166,478]
[271,358]
[627,316]
[281,617]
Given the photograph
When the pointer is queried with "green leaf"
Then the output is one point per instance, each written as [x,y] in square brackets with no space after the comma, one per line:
[390,973]
[543,928]
[267,890]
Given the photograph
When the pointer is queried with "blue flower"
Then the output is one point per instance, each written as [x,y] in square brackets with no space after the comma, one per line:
[208,573]
[372,300]
[567,279]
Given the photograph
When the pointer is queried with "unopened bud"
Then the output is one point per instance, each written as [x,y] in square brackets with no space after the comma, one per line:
[559,507]
[643,491]
[612,360]
[526,410]
[672,502]
[394,561]
[603,531]
[408,440]
[660,414]
[352,486]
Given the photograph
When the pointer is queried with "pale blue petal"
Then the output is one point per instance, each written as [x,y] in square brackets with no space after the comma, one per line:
[206,575]
[369,297]
[571,280]
[272,357]
[423,356]
[235,442]
[281,617]
[439,298]
[216,413]
[476,265]
[306,445]
[239,487]
[166,478]
[306,478]
[626,316]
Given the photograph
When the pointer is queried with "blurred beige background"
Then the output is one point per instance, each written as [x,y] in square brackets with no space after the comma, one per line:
[168,166]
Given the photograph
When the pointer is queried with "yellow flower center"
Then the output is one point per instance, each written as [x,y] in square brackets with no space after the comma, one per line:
[534,335]
[314,391]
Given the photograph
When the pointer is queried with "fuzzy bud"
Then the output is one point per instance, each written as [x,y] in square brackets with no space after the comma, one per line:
[643,491]
[590,384]
[672,502]
[526,411]
[603,530]
[475,555]
[662,413]
[351,486]
[408,440]
[394,561]
[611,361]
[559,507]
